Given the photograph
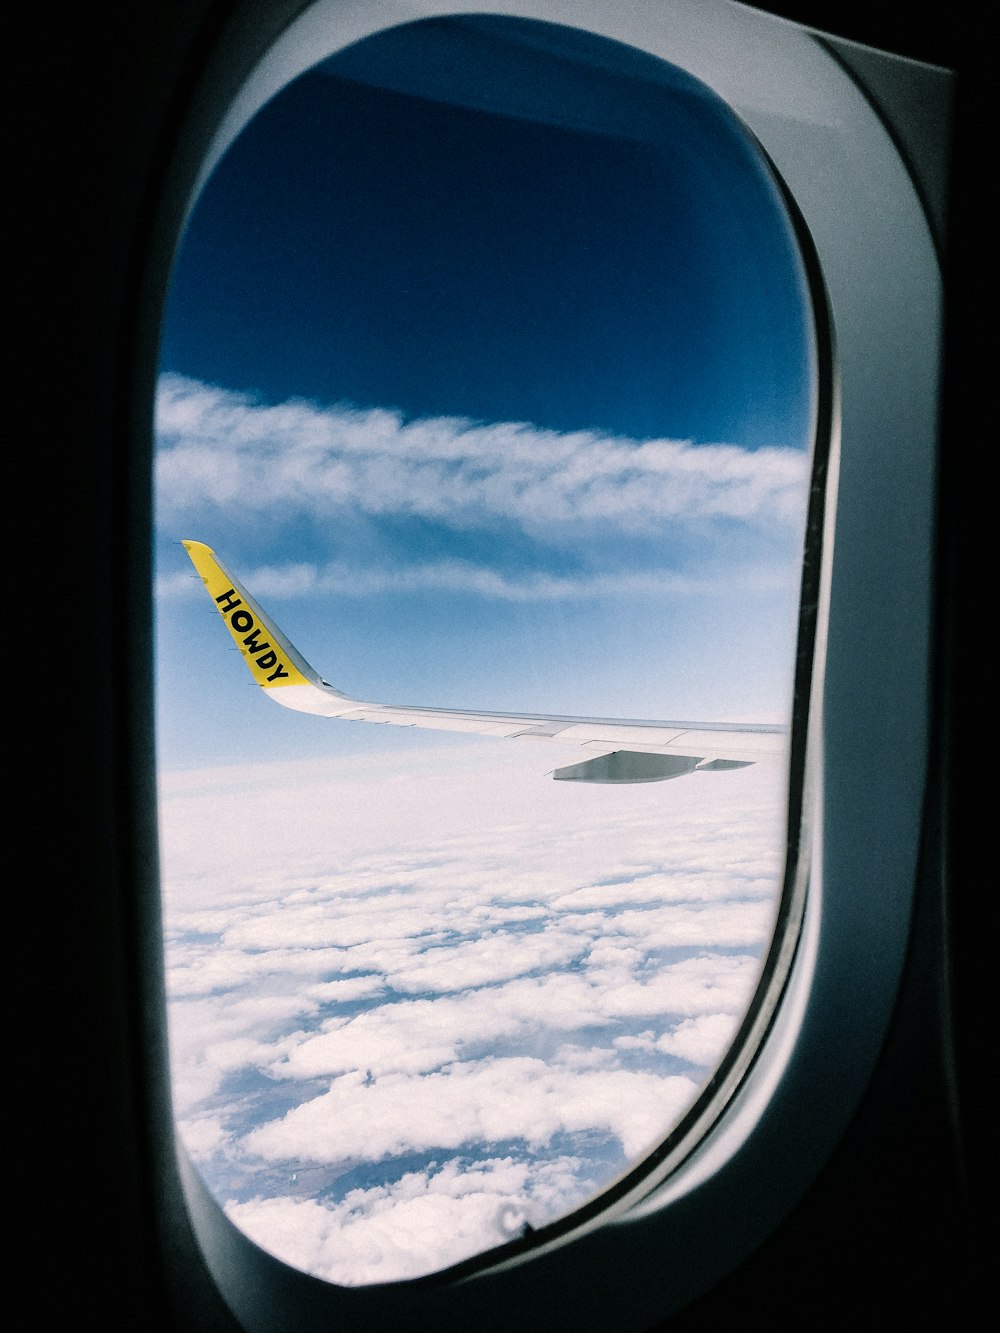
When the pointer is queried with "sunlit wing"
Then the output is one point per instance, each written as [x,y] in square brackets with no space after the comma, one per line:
[611,750]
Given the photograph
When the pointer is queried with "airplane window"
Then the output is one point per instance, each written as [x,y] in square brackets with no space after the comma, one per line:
[488,380]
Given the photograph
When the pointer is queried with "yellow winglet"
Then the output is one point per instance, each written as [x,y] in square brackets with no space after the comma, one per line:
[272,660]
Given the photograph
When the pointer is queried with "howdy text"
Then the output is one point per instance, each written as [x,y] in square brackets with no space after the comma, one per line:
[242,622]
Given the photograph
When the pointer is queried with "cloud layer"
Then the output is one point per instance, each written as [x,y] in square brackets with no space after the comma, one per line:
[474,1016]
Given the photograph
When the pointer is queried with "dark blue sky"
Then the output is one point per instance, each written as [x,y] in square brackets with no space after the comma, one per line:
[369,246]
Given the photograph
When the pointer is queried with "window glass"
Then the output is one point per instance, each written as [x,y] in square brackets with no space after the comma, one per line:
[488,369]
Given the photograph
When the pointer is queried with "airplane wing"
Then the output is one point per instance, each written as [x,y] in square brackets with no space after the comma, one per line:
[613,750]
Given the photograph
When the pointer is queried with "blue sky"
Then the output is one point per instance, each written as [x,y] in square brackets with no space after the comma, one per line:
[442,260]
[369,251]
[487,369]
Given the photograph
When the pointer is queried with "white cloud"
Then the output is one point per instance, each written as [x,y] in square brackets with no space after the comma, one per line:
[423,1222]
[223,449]
[489,957]
[499,961]
[710,925]
[491,1100]
[475,824]
[701,1039]
[707,983]
[199,970]
[344,992]
[422,1035]
[204,1135]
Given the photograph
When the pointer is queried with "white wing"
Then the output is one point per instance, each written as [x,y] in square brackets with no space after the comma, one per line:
[610,749]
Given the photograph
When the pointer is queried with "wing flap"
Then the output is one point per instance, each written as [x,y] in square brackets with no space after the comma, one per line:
[623,766]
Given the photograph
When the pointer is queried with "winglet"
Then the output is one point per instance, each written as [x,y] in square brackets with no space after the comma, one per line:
[273,661]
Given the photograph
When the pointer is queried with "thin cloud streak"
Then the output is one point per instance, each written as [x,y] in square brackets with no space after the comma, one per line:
[223,449]
[461,576]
